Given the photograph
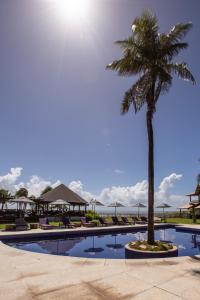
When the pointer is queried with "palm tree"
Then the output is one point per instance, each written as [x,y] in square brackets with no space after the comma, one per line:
[149,55]
[22,192]
[48,188]
[4,196]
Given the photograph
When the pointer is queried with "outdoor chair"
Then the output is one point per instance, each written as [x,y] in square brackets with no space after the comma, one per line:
[116,221]
[143,218]
[85,223]
[67,223]
[157,220]
[127,222]
[21,224]
[103,222]
[138,221]
[44,223]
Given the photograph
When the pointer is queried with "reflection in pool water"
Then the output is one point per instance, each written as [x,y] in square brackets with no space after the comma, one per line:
[109,245]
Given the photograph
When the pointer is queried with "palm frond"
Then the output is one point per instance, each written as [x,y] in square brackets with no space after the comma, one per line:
[178,32]
[136,95]
[171,50]
[126,66]
[148,54]
[182,71]
[162,87]
[129,42]
[145,26]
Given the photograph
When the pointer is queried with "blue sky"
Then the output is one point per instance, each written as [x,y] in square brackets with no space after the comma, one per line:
[60,108]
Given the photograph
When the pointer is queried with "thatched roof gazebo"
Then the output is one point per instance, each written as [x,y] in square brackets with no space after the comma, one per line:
[193,204]
[64,193]
[196,193]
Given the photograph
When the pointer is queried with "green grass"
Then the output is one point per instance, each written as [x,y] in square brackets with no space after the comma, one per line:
[182,220]
[55,223]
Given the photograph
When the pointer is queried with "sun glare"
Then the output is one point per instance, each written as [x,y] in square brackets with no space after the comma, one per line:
[71,10]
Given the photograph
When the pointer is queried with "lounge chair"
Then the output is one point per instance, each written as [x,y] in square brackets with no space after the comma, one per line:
[103,222]
[127,222]
[137,220]
[143,218]
[44,223]
[67,223]
[157,220]
[21,224]
[85,223]
[116,221]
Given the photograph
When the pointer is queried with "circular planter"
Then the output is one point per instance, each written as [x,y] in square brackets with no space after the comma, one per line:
[139,254]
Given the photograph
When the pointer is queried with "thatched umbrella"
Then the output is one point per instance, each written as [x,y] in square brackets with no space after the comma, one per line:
[139,205]
[163,206]
[115,205]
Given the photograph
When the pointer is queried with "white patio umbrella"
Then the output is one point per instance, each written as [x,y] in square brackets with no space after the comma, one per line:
[163,206]
[94,203]
[60,203]
[115,205]
[139,205]
[20,201]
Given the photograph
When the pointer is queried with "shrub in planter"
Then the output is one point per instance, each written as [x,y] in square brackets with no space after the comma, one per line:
[91,216]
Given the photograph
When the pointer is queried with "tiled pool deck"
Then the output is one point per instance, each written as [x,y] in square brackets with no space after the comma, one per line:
[27,275]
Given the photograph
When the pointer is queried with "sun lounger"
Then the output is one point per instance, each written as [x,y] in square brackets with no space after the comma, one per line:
[103,222]
[44,223]
[143,218]
[21,224]
[137,220]
[116,221]
[157,220]
[127,222]
[67,223]
[85,223]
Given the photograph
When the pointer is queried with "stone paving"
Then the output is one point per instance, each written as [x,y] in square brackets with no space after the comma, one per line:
[27,275]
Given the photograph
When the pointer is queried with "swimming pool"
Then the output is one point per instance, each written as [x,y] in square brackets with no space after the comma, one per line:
[108,245]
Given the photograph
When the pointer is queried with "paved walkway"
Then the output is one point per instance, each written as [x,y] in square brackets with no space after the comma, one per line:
[27,275]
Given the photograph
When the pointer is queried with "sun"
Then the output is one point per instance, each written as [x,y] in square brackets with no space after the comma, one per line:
[71,10]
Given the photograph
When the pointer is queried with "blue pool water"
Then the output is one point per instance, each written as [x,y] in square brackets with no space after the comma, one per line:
[108,245]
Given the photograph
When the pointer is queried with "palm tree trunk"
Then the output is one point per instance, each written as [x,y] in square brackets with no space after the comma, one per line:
[150,237]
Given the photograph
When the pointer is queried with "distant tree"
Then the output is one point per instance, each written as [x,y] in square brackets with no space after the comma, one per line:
[22,193]
[48,188]
[4,196]
[149,55]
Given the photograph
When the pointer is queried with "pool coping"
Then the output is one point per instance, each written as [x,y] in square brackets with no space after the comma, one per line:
[36,233]
[28,275]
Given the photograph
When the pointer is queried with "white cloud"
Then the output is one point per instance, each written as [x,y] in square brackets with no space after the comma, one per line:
[7,181]
[163,194]
[118,171]
[78,187]
[125,194]
[34,186]
[128,195]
